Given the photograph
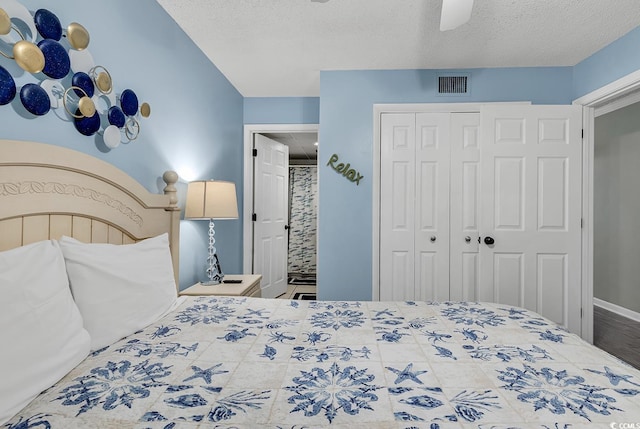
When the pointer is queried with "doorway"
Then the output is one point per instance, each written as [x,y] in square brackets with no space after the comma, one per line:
[616,214]
[298,264]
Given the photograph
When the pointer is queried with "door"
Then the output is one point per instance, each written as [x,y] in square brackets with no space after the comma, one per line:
[414,218]
[531,209]
[271,184]
[511,174]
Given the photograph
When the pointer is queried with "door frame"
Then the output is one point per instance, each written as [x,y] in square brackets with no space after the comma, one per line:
[378,110]
[247,194]
[607,98]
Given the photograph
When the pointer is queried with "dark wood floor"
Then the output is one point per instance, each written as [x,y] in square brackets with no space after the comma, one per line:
[617,335]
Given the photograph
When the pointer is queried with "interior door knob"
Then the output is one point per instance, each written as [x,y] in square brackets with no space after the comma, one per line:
[489,241]
[286,227]
[433,239]
[467,239]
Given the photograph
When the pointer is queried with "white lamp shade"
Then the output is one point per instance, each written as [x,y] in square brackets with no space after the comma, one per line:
[211,199]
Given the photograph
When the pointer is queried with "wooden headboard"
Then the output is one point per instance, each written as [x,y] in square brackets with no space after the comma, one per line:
[47,191]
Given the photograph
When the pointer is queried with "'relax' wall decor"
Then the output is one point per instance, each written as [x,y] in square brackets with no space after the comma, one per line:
[65,74]
[345,169]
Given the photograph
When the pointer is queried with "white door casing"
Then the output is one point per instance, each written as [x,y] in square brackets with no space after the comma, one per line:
[531,207]
[271,184]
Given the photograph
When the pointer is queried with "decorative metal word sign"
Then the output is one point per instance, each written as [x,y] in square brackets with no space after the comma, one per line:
[345,169]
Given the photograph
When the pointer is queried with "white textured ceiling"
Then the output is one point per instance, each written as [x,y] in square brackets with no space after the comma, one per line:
[302,146]
[276,48]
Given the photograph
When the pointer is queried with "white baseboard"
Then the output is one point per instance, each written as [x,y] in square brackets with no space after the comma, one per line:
[625,312]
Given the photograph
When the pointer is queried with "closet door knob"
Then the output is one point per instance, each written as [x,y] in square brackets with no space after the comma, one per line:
[433,239]
[489,241]
[467,239]
[286,227]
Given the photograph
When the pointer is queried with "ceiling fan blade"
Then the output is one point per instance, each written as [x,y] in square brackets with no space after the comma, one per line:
[455,13]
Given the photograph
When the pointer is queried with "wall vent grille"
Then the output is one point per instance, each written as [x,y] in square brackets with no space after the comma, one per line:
[453,85]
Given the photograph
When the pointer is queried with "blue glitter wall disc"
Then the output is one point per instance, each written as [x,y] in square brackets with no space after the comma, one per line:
[116,117]
[7,87]
[84,82]
[129,102]
[87,126]
[35,99]
[56,59]
[47,24]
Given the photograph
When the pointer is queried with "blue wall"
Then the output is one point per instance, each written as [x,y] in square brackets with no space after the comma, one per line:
[281,110]
[197,121]
[614,61]
[196,118]
[346,129]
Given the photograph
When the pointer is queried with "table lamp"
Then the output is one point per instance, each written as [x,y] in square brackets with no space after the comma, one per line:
[209,200]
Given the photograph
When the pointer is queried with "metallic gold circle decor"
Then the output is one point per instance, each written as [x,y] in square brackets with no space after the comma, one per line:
[101,79]
[5,23]
[11,27]
[78,36]
[145,110]
[54,62]
[86,106]
[28,56]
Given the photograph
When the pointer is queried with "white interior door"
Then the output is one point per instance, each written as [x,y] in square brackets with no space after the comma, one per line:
[271,184]
[414,218]
[531,208]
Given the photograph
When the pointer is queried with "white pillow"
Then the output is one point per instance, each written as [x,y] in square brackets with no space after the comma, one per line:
[41,331]
[119,289]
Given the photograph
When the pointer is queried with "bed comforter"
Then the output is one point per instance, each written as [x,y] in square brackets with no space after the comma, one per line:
[220,362]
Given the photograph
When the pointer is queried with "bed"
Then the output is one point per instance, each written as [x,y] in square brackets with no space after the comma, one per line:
[240,362]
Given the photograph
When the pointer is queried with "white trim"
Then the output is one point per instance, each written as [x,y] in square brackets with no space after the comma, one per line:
[378,110]
[621,311]
[611,93]
[618,103]
[587,227]
[247,210]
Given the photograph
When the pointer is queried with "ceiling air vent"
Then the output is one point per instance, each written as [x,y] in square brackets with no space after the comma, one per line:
[453,85]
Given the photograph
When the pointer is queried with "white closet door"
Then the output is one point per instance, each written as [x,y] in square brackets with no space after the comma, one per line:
[464,203]
[432,157]
[531,190]
[414,218]
[397,207]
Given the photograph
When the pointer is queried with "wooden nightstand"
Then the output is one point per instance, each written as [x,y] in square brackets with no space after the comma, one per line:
[250,286]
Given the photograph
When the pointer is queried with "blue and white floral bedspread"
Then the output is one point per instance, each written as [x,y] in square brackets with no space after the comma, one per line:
[219,362]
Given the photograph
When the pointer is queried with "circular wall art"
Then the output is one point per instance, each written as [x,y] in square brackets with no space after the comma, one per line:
[47,24]
[83,81]
[87,125]
[116,117]
[129,102]
[8,87]
[35,99]
[40,43]
[56,59]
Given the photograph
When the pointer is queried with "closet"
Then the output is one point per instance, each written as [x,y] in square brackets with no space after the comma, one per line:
[483,206]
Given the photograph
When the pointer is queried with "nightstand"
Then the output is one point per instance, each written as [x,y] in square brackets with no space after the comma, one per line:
[250,286]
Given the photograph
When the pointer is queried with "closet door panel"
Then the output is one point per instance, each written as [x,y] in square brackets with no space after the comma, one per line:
[464,203]
[531,195]
[397,207]
[432,158]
